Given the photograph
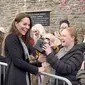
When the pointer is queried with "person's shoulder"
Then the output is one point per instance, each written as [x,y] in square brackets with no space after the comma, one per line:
[80,74]
[11,36]
[81,46]
[77,48]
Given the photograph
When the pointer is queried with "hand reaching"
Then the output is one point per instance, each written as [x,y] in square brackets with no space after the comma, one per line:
[41,69]
[47,49]
[57,35]
[42,58]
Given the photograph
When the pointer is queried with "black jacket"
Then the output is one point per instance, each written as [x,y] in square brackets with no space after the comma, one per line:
[82,45]
[68,65]
[17,65]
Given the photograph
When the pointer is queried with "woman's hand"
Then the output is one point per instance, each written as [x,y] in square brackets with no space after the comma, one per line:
[47,48]
[41,69]
[42,58]
[57,35]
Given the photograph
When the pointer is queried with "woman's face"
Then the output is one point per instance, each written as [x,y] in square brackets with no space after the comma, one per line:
[23,26]
[66,38]
[36,32]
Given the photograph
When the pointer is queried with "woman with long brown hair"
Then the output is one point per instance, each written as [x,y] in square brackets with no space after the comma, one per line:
[17,53]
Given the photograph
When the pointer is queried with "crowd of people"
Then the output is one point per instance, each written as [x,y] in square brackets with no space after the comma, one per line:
[21,50]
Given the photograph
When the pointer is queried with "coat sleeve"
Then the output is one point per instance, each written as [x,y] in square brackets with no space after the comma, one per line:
[3,59]
[16,54]
[67,66]
[81,76]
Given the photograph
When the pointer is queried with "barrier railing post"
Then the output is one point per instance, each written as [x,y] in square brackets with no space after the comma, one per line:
[65,80]
[2,74]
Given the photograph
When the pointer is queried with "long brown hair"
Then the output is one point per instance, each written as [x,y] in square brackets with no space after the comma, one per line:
[15,31]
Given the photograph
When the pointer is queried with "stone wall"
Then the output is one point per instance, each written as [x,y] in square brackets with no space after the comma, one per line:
[73,10]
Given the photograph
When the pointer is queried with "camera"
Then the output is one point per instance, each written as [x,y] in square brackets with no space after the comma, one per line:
[39,45]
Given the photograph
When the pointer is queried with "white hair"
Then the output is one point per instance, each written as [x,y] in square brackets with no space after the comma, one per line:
[40,28]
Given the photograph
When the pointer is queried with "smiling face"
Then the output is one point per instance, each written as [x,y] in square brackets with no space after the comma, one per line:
[35,35]
[66,38]
[23,26]
[36,32]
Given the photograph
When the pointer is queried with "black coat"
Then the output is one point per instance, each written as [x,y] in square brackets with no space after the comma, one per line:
[82,45]
[68,65]
[17,65]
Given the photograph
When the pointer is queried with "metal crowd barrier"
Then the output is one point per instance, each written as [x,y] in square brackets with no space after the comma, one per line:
[55,77]
[2,72]
[51,76]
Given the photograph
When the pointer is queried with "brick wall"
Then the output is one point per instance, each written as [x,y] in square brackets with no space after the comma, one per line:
[73,10]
